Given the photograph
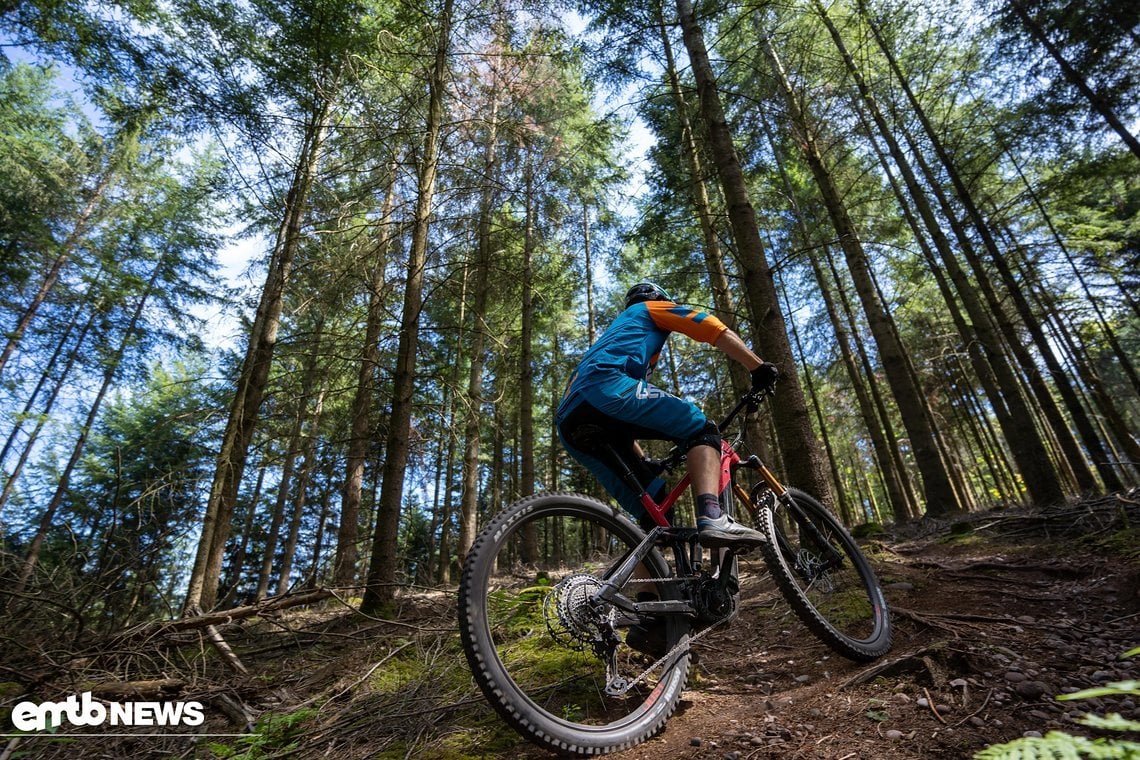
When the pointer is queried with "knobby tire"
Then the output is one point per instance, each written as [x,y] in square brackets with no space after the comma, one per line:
[510,645]
[844,606]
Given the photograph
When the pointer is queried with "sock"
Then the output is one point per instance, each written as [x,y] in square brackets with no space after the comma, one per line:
[708,505]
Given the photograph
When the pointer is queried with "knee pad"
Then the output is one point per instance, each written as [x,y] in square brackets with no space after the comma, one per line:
[709,436]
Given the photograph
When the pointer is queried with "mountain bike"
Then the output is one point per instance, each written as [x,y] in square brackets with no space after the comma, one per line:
[578,625]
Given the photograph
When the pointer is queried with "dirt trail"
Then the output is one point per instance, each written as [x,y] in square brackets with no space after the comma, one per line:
[988,629]
[992,618]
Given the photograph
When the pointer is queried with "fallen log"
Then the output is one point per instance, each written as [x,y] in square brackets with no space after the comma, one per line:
[159,688]
[220,617]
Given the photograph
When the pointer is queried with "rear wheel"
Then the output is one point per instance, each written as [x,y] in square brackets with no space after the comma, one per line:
[823,574]
[552,659]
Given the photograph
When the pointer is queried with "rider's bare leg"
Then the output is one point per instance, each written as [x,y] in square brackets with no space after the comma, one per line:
[702,463]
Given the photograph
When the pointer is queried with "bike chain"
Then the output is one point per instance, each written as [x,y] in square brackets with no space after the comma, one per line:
[684,644]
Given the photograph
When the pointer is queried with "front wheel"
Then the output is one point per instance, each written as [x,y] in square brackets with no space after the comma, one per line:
[823,574]
[562,667]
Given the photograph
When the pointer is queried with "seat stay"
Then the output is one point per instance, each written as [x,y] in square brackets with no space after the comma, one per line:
[657,511]
[619,576]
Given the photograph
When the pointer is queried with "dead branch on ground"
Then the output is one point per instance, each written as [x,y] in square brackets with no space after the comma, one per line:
[269,606]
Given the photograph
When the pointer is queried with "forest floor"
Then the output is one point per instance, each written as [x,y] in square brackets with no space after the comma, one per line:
[993,617]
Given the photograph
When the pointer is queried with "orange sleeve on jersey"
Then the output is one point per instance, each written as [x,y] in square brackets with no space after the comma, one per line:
[698,325]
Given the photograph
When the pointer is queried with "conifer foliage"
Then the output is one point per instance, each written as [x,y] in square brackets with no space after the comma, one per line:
[927,213]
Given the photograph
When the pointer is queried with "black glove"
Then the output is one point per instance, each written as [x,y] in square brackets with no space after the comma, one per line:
[764,377]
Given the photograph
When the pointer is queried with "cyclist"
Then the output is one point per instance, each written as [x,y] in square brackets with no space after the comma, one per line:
[609,399]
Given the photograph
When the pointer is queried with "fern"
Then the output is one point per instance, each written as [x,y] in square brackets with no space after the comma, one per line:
[1110,722]
[1117,689]
[1057,745]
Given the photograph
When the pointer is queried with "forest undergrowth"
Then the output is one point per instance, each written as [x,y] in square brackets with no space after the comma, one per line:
[995,615]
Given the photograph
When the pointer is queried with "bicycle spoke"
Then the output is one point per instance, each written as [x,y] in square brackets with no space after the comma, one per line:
[824,576]
[566,652]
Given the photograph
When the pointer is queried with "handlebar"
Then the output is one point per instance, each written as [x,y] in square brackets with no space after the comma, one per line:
[750,401]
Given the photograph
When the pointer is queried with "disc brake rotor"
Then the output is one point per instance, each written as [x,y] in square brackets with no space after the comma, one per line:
[815,571]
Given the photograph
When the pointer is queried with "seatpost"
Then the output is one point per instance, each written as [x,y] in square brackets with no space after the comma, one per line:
[626,473]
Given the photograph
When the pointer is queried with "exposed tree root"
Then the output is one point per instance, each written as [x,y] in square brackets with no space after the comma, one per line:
[924,660]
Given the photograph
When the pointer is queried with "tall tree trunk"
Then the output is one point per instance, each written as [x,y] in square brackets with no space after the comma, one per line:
[1122,356]
[296,448]
[31,559]
[591,315]
[967,413]
[1098,102]
[360,427]
[277,516]
[498,459]
[243,416]
[448,423]
[1014,342]
[526,355]
[1122,286]
[94,314]
[804,463]
[993,370]
[469,495]
[554,479]
[91,310]
[841,498]
[300,492]
[941,498]
[312,576]
[237,561]
[443,561]
[380,590]
[874,388]
[437,500]
[895,479]
[1109,412]
[984,345]
[123,146]
[529,548]
[723,302]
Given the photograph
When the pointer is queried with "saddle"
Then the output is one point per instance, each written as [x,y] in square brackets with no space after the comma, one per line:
[589,438]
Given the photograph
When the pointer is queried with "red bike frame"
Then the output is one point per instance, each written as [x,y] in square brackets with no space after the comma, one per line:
[729,461]
[728,458]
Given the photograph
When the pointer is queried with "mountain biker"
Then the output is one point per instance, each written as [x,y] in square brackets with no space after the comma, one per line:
[609,399]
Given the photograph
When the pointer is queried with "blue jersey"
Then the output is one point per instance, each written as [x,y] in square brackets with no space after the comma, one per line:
[609,390]
[629,348]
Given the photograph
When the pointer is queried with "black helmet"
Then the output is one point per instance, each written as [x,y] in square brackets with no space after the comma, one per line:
[646,291]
